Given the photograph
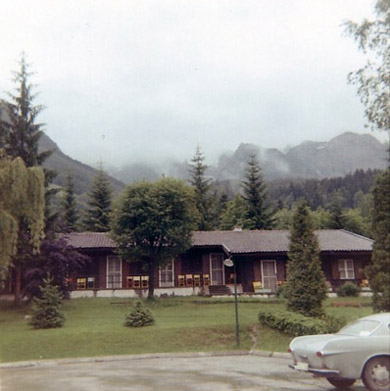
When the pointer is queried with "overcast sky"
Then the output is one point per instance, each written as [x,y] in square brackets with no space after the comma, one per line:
[141,80]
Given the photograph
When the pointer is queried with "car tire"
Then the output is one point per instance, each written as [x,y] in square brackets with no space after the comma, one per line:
[376,374]
[340,382]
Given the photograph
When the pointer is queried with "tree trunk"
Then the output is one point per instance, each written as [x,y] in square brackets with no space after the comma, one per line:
[18,283]
[151,268]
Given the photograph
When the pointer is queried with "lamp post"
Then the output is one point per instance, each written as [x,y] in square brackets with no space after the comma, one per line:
[230,263]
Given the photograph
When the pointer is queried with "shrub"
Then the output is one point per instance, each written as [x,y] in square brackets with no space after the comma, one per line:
[348,289]
[297,324]
[46,311]
[281,292]
[139,316]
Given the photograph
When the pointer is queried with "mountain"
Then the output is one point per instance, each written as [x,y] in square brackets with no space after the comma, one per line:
[341,155]
[62,164]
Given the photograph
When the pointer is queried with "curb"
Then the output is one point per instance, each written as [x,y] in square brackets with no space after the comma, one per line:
[64,361]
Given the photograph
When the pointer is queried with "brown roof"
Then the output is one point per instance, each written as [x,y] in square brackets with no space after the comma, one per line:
[246,242]
[89,240]
[241,242]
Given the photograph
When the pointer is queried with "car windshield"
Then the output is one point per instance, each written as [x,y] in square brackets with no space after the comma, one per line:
[360,328]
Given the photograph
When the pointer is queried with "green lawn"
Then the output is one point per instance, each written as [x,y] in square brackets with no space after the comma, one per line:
[94,327]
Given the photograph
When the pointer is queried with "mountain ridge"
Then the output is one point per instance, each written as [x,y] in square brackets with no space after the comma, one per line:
[339,156]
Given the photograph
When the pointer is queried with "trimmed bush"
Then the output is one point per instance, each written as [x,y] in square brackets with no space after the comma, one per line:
[139,316]
[349,289]
[297,324]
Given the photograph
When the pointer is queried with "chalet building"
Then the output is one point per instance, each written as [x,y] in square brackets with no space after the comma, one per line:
[260,259]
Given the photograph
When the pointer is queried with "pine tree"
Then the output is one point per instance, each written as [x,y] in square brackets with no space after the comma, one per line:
[46,310]
[306,288]
[234,214]
[69,205]
[202,186]
[378,272]
[258,214]
[139,316]
[97,217]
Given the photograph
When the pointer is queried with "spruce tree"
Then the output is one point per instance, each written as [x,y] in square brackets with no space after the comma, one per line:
[21,132]
[69,205]
[202,186]
[97,216]
[46,310]
[378,272]
[139,316]
[257,214]
[306,288]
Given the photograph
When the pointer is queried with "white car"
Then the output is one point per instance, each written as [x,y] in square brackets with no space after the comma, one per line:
[359,350]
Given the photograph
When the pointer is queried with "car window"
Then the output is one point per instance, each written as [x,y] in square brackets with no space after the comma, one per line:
[360,328]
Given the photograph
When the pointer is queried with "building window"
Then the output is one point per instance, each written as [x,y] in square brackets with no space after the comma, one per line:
[167,275]
[346,269]
[114,272]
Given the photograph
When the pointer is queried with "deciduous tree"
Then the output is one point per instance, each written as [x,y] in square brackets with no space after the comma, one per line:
[373,80]
[22,201]
[153,222]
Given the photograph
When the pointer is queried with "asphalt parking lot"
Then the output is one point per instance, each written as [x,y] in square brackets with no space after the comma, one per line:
[198,372]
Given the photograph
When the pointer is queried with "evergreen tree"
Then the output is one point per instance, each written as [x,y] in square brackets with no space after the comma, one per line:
[69,205]
[234,214]
[97,217]
[21,133]
[19,136]
[139,316]
[378,272]
[202,186]
[258,214]
[336,211]
[46,310]
[306,287]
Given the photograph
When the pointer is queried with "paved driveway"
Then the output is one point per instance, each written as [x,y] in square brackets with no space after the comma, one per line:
[166,373]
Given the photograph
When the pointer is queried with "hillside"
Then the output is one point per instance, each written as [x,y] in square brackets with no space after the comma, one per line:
[62,164]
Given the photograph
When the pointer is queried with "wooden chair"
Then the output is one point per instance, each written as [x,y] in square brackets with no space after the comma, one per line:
[257,286]
[90,282]
[189,280]
[196,279]
[81,283]
[136,282]
[181,280]
[129,281]
[206,279]
[145,281]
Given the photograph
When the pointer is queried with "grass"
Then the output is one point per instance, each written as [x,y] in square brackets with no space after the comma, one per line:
[94,327]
